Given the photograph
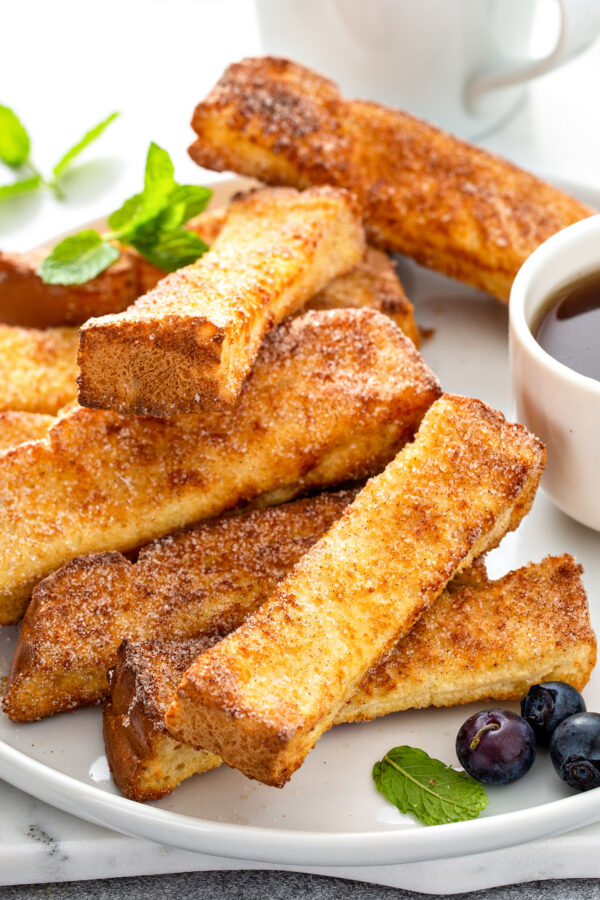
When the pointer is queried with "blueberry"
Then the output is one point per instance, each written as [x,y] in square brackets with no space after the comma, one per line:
[575,750]
[496,746]
[547,705]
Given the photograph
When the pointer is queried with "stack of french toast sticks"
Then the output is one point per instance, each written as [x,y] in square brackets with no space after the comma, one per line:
[264,517]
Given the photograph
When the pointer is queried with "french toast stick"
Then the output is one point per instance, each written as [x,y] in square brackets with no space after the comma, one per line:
[188,345]
[373,283]
[37,368]
[331,398]
[28,301]
[479,641]
[209,577]
[263,696]
[16,427]
[451,206]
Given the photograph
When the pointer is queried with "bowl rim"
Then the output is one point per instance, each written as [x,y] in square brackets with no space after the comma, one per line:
[542,257]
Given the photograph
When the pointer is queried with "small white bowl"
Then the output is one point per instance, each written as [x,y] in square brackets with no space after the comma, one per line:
[559,405]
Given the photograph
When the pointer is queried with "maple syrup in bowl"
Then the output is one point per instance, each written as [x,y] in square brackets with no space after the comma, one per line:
[568,328]
[554,317]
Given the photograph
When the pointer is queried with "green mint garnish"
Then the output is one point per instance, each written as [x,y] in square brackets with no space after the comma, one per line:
[426,788]
[14,140]
[77,148]
[15,152]
[24,186]
[78,259]
[151,222]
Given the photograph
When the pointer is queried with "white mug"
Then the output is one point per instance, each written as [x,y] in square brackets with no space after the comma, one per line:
[559,405]
[461,64]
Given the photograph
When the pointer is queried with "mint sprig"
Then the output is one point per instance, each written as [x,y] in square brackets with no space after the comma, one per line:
[89,137]
[81,256]
[151,221]
[426,788]
[23,186]
[15,143]
[15,152]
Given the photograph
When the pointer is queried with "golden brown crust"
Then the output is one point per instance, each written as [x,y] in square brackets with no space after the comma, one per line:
[16,427]
[487,642]
[133,735]
[207,578]
[480,641]
[331,398]
[374,284]
[264,695]
[37,368]
[449,205]
[189,344]
[26,300]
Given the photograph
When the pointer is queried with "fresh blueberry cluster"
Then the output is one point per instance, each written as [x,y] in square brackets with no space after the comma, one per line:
[496,746]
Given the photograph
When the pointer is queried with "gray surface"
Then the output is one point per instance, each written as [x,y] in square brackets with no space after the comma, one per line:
[278,886]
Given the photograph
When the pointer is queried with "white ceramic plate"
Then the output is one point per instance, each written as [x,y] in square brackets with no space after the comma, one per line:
[330,812]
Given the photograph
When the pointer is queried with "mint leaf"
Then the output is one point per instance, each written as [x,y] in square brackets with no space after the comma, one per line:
[20,187]
[120,217]
[159,183]
[172,250]
[151,221]
[159,174]
[14,140]
[77,259]
[191,199]
[428,789]
[85,141]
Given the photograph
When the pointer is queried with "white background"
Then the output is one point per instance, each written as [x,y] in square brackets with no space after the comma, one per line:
[64,65]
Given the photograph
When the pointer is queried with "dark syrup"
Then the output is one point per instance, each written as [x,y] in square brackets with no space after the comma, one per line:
[568,327]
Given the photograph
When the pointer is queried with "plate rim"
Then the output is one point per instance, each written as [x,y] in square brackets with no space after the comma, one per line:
[273,845]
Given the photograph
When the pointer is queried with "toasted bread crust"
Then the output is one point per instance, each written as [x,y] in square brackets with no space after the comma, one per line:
[490,641]
[374,284]
[449,205]
[189,344]
[208,578]
[331,398]
[134,726]
[37,368]
[16,427]
[479,641]
[26,300]
[264,695]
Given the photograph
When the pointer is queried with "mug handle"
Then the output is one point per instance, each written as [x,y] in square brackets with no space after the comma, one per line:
[579,28]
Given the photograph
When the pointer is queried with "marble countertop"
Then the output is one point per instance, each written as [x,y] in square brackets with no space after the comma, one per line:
[60,88]
[41,844]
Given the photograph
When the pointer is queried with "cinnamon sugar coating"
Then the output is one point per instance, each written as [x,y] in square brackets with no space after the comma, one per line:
[16,427]
[331,398]
[206,579]
[482,640]
[262,697]
[189,344]
[38,368]
[449,205]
